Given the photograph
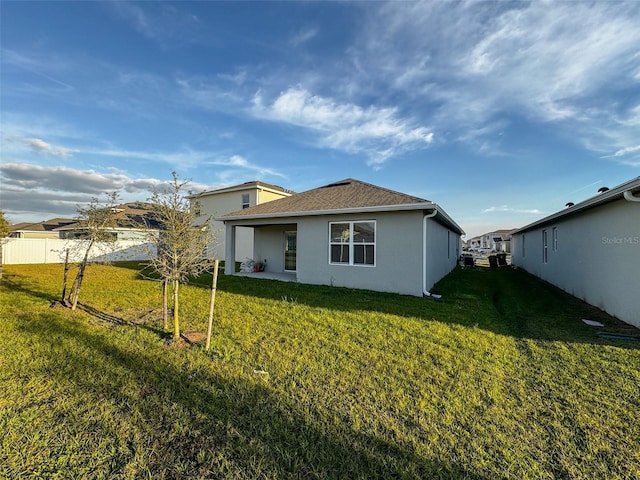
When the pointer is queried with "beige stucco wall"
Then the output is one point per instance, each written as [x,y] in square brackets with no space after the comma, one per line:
[39,235]
[597,259]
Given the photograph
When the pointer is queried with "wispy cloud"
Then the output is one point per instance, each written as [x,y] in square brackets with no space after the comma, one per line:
[625,151]
[304,36]
[161,22]
[240,162]
[43,66]
[42,147]
[507,208]
[379,133]
[560,63]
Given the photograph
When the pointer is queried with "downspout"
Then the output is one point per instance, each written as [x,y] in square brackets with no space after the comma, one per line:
[630,197]
[425,292]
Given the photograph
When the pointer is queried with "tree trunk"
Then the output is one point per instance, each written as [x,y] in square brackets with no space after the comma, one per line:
[80,276]
[64,276]
[165,305]
[176,317]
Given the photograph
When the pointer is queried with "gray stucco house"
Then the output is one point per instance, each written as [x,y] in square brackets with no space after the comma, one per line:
[590,250]
[351,234]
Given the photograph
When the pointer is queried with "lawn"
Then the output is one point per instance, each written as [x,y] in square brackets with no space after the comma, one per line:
[500,379]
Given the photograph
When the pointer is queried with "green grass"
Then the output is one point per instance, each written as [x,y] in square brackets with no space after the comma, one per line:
[501,379]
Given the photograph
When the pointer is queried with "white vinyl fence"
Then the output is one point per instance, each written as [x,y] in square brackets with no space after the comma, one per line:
[53,250]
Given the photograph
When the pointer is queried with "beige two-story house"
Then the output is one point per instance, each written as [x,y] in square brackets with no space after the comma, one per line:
[215,203]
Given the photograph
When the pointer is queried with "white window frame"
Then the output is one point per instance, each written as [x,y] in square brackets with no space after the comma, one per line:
[554,238]
[246,204]
[545,246]
[350,243]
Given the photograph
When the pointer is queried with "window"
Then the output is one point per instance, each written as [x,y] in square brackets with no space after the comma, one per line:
[245,200]
[522,245]
[352,243]
[554,238]
[448,244]
[545,247]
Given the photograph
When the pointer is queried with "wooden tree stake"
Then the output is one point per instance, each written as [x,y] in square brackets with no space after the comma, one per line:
[214,287]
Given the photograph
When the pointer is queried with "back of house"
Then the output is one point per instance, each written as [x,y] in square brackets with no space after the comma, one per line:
[590,249]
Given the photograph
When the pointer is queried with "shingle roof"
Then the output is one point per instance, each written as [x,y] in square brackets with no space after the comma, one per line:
[243,186]
[128,215]
[347,193]
[616,193]
[46,226]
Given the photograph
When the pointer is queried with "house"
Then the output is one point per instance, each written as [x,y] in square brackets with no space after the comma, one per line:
[498,241]
[134,224]
[215,203]
[351,234]
[133,220]
[45,229]
[590,249]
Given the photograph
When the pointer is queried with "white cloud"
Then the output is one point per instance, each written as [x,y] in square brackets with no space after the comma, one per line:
[625,151]
[303,36]
[40,146]
[161,22]
[379,133]
[560,62]
[242,163]
[507,208]
[33,191]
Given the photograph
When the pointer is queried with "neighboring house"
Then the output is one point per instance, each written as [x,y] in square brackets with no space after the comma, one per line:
[352,234]
[475,242]
[46,229]
[498,241]
[590,249]
[134,221]
[215,203]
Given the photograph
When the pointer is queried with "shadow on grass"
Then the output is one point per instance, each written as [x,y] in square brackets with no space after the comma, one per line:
[19,284]
[112,319]
[253,432]
[504,301]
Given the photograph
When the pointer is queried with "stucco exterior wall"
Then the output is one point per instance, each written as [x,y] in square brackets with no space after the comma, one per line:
[219,204]
[264,196]
[442,252]
[38,235]
[399,251]
[597,257]
[269,246]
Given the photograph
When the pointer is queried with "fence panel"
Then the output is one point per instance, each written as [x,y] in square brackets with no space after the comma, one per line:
[52,250]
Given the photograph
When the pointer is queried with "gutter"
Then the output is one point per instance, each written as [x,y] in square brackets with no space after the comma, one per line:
[425,292]
[630,197]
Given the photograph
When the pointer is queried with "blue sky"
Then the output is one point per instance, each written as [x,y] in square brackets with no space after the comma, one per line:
[501,112]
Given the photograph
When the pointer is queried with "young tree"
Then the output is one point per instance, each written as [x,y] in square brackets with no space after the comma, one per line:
[181,246]
[96,222]
[4,232]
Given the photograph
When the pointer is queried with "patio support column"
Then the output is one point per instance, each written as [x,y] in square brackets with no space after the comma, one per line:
[230,250]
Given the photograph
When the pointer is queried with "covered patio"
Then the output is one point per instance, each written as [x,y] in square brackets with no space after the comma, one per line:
[280,276]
